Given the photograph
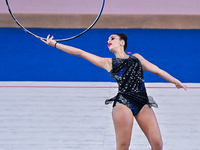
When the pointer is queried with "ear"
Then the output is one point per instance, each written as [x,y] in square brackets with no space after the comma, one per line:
[122,42]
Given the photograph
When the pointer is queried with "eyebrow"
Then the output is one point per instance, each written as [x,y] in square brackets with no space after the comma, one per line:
[111,37]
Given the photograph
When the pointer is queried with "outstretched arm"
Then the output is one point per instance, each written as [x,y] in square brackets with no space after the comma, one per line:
[147,66]
[104,63]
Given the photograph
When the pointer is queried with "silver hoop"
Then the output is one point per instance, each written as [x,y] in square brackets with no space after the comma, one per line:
[58,40]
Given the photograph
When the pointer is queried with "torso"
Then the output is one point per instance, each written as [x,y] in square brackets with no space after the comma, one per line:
[128,74]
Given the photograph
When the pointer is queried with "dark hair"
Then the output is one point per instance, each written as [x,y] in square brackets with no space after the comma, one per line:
[123,37]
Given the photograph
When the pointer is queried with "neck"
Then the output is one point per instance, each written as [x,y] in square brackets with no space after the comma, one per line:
[121,55]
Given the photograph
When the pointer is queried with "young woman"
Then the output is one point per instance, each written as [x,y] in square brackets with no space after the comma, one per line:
[132,100]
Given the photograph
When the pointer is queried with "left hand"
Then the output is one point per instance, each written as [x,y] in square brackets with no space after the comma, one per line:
[181,85]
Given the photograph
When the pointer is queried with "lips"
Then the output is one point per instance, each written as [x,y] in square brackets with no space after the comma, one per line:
[109,44]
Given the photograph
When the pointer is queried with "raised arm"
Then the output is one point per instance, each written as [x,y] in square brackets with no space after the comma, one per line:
[104,63]
[147,66]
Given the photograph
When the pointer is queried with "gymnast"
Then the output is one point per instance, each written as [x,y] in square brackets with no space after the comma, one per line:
[131,100]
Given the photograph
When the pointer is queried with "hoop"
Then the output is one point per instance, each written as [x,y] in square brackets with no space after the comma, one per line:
[58,40]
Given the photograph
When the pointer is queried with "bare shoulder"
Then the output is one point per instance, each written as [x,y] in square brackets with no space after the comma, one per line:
[138,56]
[146,65]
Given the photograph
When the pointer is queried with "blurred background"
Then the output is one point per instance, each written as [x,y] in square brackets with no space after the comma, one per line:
[165,32]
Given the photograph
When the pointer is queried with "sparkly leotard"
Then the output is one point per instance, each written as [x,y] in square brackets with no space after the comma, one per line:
[131,92]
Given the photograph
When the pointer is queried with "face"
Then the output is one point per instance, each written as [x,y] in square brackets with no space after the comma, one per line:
[114,42]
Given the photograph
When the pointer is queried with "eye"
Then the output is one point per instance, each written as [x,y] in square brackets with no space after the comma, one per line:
[112,38]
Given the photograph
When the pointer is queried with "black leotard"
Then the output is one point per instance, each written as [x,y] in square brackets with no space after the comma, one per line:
[131,91]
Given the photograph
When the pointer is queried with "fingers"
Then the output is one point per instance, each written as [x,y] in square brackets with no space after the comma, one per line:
[185,87]
[48,40]
[43,40]
[52,37]
[181,86]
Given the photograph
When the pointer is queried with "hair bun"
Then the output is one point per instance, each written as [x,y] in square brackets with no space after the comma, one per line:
[123,36]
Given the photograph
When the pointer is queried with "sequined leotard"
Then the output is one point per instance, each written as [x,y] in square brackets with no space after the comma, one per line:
[131,91]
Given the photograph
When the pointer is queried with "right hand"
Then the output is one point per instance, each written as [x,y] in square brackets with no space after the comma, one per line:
[49,40]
